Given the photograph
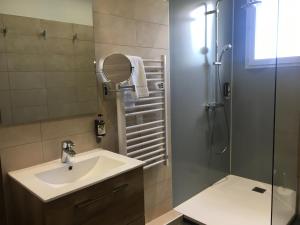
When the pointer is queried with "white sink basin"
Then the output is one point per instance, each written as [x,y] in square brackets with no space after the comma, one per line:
[52,180]
[80,170]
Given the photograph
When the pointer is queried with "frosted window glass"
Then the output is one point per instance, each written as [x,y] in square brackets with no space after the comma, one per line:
[268,21]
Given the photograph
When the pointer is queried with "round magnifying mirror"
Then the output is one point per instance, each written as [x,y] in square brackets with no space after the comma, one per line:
[117,68]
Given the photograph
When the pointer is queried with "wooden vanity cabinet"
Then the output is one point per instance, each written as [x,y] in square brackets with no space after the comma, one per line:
[117,201]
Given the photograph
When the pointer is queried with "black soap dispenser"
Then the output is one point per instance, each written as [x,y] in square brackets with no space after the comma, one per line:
[100,129]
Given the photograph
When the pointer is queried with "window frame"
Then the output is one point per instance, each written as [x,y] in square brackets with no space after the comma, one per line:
[250,61]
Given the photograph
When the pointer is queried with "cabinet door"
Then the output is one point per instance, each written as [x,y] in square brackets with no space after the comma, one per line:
[123,204]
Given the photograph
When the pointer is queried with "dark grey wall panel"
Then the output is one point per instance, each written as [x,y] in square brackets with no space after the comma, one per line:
[195,166]
[252,111]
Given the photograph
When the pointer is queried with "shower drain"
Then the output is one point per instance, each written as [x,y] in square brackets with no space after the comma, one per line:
[259,190]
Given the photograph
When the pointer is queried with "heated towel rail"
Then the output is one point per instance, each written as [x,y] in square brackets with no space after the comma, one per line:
[143,124]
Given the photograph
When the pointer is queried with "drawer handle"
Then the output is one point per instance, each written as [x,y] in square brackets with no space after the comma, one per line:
[90,201]
[119,188]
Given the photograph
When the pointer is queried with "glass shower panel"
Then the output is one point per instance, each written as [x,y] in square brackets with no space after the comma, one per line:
[287,123]
[254,82]
[253,93]
[196,162]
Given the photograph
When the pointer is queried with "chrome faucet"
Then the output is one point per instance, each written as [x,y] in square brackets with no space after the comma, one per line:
[67,151]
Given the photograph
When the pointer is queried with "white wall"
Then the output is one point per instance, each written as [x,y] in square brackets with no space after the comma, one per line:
[70,11]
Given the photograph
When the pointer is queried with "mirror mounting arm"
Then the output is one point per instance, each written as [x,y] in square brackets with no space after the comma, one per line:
[107,88]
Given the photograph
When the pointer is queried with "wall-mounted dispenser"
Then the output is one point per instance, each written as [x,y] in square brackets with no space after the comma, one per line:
[100,129]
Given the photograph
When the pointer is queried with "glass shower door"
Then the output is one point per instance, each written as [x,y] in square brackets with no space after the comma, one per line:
[287,114]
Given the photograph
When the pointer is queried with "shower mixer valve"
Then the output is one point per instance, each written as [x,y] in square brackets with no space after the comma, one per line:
[213,106]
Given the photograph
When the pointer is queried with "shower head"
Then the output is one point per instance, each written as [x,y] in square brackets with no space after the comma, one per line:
[251,3]
[224,49]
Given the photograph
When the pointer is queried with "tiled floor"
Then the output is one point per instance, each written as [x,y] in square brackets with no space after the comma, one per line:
[231,201]
[170,218]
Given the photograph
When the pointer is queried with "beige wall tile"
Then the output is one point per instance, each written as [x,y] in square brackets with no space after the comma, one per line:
[60,79]
[5,108]
[87,94]
[61,110]
[62,46]
[24,98]
[114,30]
[57,29]
[109,111]
[84,33]
[155,11]
[24,44]
[103,50]
[22,25]
[88,107]
[58,63]
[156,175]
[151,52]
[157,192]
[3,62]
[29,114]
[6,116]
[84,48]
[123,8]
[61,95]
[25,62]
[27,80]
[5,98]
[152,35]
[2,46]
[21,156]
[2,43]
[4,81]
[154,211]
[84,63]
[84,142]
[85,79]
[19,135]
[67,127]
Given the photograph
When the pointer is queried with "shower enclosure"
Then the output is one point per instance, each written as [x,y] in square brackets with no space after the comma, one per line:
[235,81]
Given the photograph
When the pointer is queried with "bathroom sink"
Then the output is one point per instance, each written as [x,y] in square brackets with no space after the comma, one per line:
[79,170]
[54,179]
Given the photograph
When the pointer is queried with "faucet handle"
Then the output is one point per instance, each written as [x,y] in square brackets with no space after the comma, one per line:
[71,152]
[67,144]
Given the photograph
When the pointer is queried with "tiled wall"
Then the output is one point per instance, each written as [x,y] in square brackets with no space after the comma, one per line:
[45,77]
[135,27]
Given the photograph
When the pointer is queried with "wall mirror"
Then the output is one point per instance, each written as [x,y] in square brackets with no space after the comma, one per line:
[117,68]
[47,55]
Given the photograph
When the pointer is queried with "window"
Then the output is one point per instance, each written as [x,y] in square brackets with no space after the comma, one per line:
[263,40]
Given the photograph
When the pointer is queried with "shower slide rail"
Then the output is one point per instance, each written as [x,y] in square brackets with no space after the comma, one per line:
[144,123]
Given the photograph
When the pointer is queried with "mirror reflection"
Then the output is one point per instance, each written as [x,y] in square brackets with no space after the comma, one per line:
[47,58]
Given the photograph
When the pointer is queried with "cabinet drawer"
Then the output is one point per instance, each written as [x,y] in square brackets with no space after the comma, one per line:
[118,206]
[98,208]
